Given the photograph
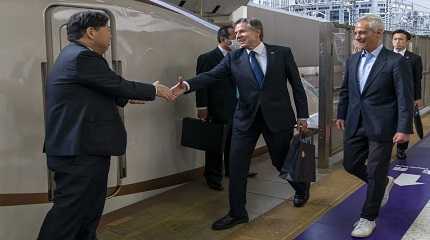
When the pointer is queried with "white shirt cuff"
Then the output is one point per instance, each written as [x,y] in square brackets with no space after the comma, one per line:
[187,84]
[156,91]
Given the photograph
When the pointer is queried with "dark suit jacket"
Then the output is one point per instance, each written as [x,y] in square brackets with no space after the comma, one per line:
[273,98]
[82,94]
[385,105]
[416,64]
[220,97]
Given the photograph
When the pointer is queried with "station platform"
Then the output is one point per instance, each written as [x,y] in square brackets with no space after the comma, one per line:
[187,212]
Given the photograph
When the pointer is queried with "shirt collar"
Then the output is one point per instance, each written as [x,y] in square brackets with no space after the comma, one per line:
[260,49]
[400,52]
[223,51]
[375,52]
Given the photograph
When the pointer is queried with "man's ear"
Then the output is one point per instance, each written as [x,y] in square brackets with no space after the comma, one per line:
[90,32]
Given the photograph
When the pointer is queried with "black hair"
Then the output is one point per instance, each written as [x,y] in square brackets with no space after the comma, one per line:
[223,33]
[407,34]
[79,22]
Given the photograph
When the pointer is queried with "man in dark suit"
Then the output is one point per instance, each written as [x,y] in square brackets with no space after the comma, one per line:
[375,109]
[401,39]
[84,128]
[216,104]
[261,73]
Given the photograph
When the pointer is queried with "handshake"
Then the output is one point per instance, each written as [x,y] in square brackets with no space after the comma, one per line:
[170,94]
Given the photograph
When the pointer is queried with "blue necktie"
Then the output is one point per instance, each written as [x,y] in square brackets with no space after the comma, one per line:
[256,69]
[364,72]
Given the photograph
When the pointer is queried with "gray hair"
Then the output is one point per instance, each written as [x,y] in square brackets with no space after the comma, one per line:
[375,22]
[253,24]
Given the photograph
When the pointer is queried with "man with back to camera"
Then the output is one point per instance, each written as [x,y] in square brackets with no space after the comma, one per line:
[375,110]
[216,104]
[261,72]
[83,126]
[401,39]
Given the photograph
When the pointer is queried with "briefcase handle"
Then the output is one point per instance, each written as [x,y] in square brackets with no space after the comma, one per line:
[304,136]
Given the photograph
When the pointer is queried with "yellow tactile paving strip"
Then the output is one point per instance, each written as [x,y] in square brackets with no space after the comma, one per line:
[186,213]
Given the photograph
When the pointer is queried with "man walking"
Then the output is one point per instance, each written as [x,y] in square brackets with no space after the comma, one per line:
[261,73]
[375,109]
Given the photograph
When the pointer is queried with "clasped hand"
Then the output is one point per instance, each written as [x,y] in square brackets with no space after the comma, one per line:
[179,89]
[163,91]
[170,94]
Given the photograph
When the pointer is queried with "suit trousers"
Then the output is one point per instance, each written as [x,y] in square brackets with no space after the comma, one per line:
[214,160]
[242,146]
[79,198]
[357,150]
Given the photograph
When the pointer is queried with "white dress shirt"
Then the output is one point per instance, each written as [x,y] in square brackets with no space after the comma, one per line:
[400,52]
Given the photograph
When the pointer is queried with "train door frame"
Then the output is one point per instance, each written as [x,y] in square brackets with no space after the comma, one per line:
[50,59]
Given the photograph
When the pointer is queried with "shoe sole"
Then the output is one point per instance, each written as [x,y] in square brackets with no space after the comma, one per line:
[363,236]
[230,226]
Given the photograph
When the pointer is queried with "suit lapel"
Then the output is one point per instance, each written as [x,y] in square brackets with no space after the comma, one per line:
[245,68]
[376,68]
[271,56]
[354,64]
[408,55]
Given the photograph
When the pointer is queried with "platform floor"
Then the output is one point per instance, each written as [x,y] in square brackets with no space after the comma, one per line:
[187,212]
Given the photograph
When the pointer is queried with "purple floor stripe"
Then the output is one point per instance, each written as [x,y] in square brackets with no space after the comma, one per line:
[405,203]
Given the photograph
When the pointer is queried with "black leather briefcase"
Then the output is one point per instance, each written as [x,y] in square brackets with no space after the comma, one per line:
[299,164]
[203,135]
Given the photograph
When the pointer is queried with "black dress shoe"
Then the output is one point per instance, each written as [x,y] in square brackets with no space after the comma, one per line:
[215,186]
[300,199]
[228,221]
[401,155]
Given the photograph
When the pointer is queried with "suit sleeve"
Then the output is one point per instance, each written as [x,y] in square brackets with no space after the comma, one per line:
[299,94]
[202,94]
[418,74]
[220,72]
[404,96]
[94,73]
[342,107]
[121,102]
